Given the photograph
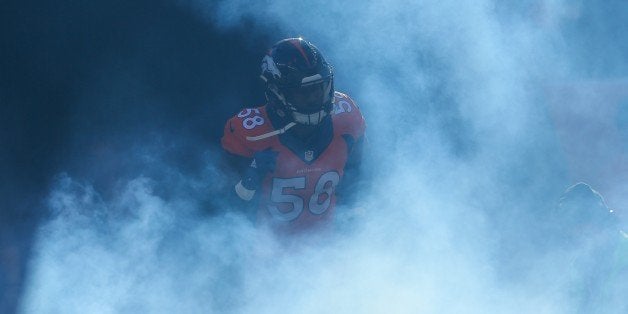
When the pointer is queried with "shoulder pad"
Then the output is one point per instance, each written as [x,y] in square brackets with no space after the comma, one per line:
[347,117]
[249,122]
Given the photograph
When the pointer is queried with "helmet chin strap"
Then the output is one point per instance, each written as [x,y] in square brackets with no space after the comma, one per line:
[273,133]
[306,119]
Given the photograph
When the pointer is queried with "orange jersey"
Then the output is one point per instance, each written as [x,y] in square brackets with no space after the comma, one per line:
[300,191]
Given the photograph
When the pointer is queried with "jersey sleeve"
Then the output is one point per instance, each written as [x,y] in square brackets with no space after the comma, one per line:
[348,119]
[250,122]
[233,139]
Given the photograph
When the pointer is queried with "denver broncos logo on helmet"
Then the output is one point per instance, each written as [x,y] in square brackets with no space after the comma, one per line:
[269,67]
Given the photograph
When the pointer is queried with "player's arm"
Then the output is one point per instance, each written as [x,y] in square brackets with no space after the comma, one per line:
[245,176]
[352,125]
[253,174]
[353,181]
[245,167]
[233,168]
[234,160]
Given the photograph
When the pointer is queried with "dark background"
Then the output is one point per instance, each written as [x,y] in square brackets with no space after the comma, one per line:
[83,83]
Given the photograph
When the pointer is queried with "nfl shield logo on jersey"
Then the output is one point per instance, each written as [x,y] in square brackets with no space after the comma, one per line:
[309,155]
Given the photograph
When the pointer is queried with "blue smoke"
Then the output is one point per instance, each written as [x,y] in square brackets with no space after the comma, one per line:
[467,163]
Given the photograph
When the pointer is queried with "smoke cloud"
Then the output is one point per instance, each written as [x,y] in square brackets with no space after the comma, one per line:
[465,164]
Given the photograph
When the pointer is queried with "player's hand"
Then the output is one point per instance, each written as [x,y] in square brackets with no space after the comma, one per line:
[263,163]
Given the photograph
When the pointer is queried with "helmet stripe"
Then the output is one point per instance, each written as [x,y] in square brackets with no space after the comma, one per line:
[296,43]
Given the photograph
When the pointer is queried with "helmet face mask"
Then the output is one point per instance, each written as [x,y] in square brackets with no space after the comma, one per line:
[299,82]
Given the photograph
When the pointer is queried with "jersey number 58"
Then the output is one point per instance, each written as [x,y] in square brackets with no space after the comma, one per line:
[249,122]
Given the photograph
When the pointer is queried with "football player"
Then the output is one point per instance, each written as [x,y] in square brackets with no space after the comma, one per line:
[299,153]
